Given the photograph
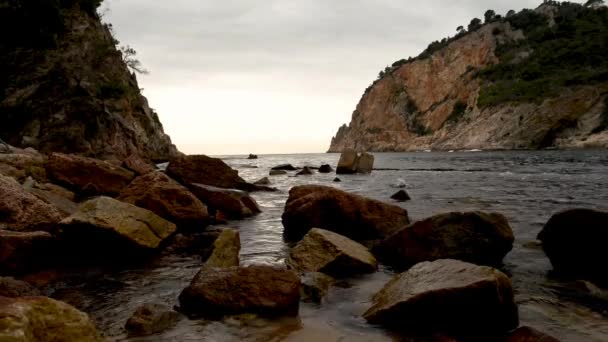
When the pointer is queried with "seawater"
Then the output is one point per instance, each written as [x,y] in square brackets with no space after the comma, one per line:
[526,186]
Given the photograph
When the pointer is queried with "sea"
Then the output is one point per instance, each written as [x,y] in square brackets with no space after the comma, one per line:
[526,186]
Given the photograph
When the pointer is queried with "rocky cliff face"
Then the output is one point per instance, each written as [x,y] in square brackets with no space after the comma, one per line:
[64,86]
[432,103]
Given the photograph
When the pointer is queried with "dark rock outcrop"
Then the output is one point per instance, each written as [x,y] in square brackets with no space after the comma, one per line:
[401,196]
[351,162]
[136,164]
[150,319]
[284,167]
[315,286]
[476,237]
[326,168]
[12,288]
[21,252]
[356,217]
[306,171]
[527,334]
[234,204]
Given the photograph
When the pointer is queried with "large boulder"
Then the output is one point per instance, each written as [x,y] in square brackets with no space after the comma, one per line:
[225,250]
[263,290]
[107,225]
[575,241]
[151,318]
[350,162]
[21,252]
[365,163]
[168,199]
[88,176]
[326,168]
[11,287]
[330,253]
[357,217]
[20,210]
[205,170]
[234,204]
[476,237]
[447,296]
[23,164]
[136,164]
[44,319]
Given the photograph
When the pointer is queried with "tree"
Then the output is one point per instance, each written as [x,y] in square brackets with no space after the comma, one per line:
[594,3]
[510,13]
[128,57]
[474,24]
[460,29]
[489,15]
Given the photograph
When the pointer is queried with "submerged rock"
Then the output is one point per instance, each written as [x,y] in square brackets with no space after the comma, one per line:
[330,253]
[315,286]
[401,196]
[527,334]
[150,319]
[21,252]
[262,181]
[262,290]
[88,176]
[475,237]
[205,170]
[284,167]
[356,217]
[306,171]
[277,172]
[235,204]
[575,241]
[44,319]
[326,168]
[168,199]
[11,287]
[337,180]
[447,296]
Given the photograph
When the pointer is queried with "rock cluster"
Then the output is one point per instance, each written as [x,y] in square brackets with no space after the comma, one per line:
[351,162]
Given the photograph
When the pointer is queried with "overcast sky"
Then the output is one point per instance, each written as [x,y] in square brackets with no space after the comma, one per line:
[274,76]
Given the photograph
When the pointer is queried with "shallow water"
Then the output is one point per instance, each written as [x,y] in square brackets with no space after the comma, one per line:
[527,187]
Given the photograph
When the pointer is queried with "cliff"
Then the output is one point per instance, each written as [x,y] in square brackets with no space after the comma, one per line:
[65,87]
[535,79]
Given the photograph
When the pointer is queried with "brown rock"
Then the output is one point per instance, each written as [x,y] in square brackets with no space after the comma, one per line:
[262,181]
[354,216]
[447,296]
[23,164]
[475,237]
[150,319]
[44,319]
[205,170]
[330,253]
[88,176]
[263,290]
[11,287]
[325,168]
[58,190]
[315,286]
[20,210]
[365,163]
[168,199]
[136,164]
[348,162]
[233,203]
[193,243]
[401,196]
[225,251]
[65,206]
[527,334]
[306,171]
[21,252]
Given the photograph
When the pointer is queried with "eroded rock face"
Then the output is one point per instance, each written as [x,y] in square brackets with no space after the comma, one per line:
[21,211]
[205,170]
[330,253]
[263,290]
[234,204]
[21,252]
[88,176]
[151,318]
[104,220]
[168,199]
[447,296]
[44,319]
[356,217]
[575,240]
[476,237]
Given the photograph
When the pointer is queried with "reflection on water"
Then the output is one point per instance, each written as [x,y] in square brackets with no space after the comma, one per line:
[527,187]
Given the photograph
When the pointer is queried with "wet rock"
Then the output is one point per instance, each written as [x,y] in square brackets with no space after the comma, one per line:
[193,243]
[44,319]
[226,249]
[365,163]
[337,180]
[476,237]
[263,290]
[306,171]
[315,286]
[401,196]
[575,240]
[103,222]
[527,334]
[11,287]
[205,170]
[330,253]
[150,319]
[263,181]
[136,164]
[252,156]
[88,176]
[235,204]
[284,167]
[20,210]
[21,252]
[447,296]
[350,162]
[277,172]
[168,199]
[325,168]
[353,216]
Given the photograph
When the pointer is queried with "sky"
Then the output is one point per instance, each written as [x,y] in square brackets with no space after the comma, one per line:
[274,76]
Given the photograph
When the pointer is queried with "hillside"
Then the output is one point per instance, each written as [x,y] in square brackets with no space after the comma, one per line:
[528,80]
[65,86]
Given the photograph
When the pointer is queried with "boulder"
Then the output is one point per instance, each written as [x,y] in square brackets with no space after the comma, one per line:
[262,181]
[205,170]
[277,172]
[527,334]
[325,168]
[348,162]
[168,199]
[136,164]
[193,243]
[88,176]
[226,249]
[365,163]
[103,222]
[21,252]
[65,206]
[401,196]
[11,287]
[357,217]
[337,180]
[447,296]
[476,237]
[306,171]
[252,156]
[235,204]
[22,164]
[20,210]
[327,252]
[284,167]
[44,319]
[263,290]
[575,241]
[315,286]
[151,318]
